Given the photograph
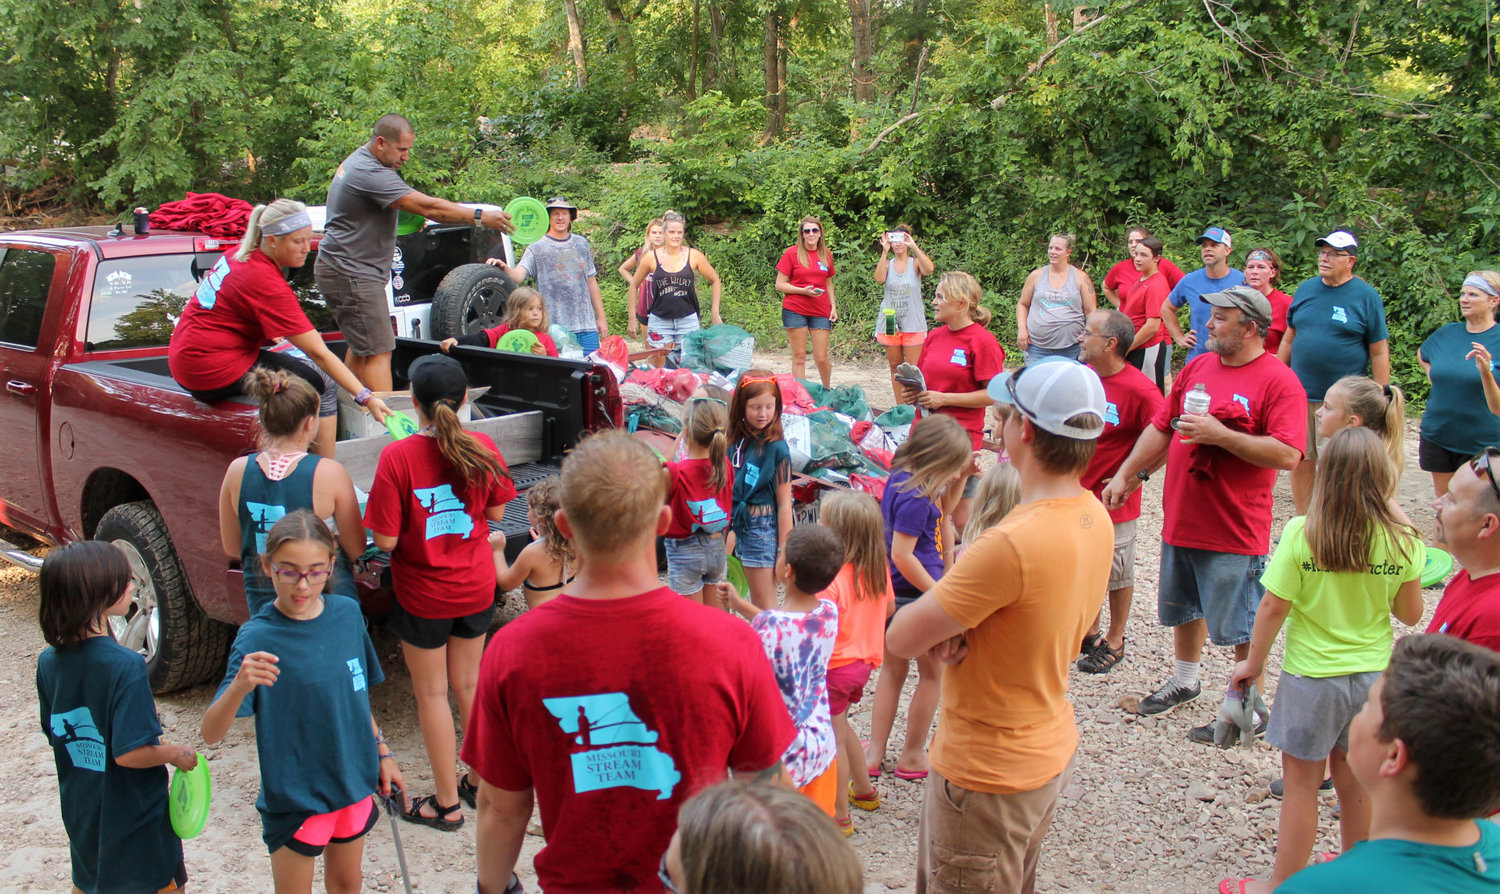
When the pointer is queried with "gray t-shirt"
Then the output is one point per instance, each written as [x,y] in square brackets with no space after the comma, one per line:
[359,237]
[562,269]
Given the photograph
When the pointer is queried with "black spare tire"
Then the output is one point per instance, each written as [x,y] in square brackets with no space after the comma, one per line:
[470,298]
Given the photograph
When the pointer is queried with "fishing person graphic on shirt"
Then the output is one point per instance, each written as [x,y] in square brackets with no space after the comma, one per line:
[612,747]
[445,511]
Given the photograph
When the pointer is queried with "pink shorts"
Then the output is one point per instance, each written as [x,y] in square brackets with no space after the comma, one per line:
[846,684]
[339,827]
[901,339]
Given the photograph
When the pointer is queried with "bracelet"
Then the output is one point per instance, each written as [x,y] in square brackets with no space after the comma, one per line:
[380,738]
[388,756]
[363,397]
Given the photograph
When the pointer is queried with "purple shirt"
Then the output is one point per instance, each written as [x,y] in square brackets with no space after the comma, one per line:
[908,512]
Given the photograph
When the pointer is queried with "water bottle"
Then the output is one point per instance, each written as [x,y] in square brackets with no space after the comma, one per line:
[1196,402]
[890,321]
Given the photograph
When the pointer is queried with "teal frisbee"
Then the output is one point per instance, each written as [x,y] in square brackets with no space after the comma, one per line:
[188,799]
[400,425]
[1437,567]
[520,341]
[529,217]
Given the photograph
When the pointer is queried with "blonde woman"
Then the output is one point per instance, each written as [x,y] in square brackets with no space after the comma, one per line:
[1054,302]
[804,277]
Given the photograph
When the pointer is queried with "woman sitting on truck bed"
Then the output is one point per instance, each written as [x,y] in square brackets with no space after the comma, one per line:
[242,304]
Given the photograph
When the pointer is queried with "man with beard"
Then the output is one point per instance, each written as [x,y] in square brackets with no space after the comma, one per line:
[1468,523]
[1221,466]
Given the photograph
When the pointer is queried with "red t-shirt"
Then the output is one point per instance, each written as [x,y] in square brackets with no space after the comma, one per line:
[696,507]
[957,362]
[1229,512]
[442,566]
[1141,300]
[1125,272]
[815,274]
[1131,401]
[494,336]
[615,713]
[239,306]
[1470,610]
[1280,301]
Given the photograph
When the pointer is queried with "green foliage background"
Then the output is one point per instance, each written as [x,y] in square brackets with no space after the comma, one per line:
[1278,120]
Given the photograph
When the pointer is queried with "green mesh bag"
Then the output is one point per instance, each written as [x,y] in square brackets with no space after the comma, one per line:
[722,347]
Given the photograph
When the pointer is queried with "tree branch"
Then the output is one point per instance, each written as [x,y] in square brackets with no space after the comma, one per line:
[1046,57]
[880,137]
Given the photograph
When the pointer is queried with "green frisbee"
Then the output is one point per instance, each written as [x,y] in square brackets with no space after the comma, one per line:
[530,219]
[408,223]
[188,799]
[736,576]
[519,340]
[400,425]
[1438,566]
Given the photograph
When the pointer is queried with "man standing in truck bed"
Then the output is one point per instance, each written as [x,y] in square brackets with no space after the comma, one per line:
[359,242]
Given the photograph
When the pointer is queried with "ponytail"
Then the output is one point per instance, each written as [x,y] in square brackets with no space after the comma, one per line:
[1394,427]
[466,455]
[261,217]
[286,401]
[705,424]
[1381,409]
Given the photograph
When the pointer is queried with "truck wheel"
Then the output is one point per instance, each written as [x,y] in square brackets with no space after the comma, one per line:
[470,298]
[181,646]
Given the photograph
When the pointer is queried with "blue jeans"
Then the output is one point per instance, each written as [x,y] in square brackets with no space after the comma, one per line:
[1222,588]
[588,339]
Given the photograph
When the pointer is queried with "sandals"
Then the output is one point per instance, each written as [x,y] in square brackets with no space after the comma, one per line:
[1102,658]
[440,822]
[468,792]
[1090,642]
[864,803]
[846,825]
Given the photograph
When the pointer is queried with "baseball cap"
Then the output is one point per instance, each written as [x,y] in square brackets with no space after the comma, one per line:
[437,377]
[1340,240]
[1247,298]
[1050,393]
[1217,234]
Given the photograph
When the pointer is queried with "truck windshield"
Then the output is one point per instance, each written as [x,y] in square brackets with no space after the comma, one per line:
[137,301]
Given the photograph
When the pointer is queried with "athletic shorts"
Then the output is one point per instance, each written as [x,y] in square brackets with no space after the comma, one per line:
[901,339]
[328,393]
[434,633]
[846,684]
[790,319]
[1311,715]
[359,307]
[1222,588]
[339,827]
[1437,458]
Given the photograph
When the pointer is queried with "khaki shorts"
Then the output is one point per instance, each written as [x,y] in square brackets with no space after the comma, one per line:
[1122,569]
[1315,444]
[359,308]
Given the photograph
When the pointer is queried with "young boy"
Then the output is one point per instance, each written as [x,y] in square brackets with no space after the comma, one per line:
[615,702]
[1426,748]
[799,641]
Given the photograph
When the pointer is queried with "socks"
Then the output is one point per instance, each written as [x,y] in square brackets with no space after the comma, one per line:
[1185,673]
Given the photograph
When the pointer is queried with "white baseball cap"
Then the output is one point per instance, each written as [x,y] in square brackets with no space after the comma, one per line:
[1052,392]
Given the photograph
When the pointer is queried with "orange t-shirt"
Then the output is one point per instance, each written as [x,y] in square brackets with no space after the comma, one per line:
[1025,591]
[861,634]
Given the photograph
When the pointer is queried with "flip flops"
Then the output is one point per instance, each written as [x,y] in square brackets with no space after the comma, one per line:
[873,771]
[910,775]
[1234,885]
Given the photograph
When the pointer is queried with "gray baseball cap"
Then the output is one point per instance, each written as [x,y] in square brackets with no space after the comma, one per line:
[1247,298]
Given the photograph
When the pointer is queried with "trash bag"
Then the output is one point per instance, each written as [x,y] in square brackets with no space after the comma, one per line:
[568,347]
[831,445]
[721,347]
[847,399]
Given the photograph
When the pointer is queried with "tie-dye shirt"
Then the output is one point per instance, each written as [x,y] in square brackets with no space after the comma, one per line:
[799,645]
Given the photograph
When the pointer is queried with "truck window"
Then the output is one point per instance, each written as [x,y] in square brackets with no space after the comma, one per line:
[25,280]
[137,301]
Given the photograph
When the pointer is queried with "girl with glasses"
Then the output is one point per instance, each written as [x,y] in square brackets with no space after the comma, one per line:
[804,277]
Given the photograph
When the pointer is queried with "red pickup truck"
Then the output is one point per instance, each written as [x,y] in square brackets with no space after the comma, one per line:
[99,442]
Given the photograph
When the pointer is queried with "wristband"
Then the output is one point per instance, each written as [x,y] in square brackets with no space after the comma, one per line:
[478,216]
[388,756]
[363,397]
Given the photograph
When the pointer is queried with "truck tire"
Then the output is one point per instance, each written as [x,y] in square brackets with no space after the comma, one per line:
[181,646]
[470,298]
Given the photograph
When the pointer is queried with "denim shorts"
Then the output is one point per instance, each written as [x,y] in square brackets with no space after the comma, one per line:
[756,544]
[662,331]
[1223,588]
[790,319]
[1036,355]
[693,561]
[588,339]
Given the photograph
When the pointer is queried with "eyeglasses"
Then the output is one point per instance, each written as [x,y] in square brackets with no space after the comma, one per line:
[292,577]
[1333,253]
[666,878]
[1481,464]
[808,231]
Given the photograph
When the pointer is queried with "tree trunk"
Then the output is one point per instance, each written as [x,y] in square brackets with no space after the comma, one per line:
[693,56]
[864,43]
[1051,17]
[624,41]
[713,66]
[775,76]
[575,40]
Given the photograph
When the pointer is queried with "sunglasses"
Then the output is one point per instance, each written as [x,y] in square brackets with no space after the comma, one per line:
[1010,388]
[665,878]
[808,231]
[704,397]
[1481,465]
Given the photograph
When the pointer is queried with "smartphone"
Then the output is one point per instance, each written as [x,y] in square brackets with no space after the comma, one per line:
[895,237]
[819,292]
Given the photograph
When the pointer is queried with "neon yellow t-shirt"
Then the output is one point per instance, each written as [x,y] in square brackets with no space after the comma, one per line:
[1340,622]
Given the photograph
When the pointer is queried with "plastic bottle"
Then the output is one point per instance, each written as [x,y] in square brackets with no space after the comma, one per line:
[890,321]
[1197,402]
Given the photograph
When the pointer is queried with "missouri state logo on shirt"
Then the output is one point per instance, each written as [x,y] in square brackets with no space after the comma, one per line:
[1340,315]
[611,747]
[356,674]
[1111,413]
[445,511]
[208,290]
[76,731]
[708,515]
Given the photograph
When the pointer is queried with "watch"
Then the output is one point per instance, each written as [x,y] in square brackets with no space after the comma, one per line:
[1143,475]
[478,216]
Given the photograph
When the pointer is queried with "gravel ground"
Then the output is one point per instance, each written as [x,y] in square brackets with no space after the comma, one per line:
[1147,810]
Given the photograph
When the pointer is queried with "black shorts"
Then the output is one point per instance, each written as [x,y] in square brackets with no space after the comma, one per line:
[1436,458]
[328,394]
[433,633]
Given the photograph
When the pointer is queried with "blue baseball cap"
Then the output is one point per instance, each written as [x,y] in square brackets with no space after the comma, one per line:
[1216,234]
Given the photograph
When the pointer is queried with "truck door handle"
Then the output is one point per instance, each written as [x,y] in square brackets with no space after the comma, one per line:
[24,389]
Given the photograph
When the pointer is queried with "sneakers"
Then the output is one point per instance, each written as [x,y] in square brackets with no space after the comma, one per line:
[1169,697]
[1278,787]
[1204,735]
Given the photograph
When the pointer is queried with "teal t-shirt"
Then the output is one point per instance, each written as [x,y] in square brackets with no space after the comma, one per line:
[312,729]
[1340,622]
[1457,417]
[96,705]
[1392,866]
[1335,328]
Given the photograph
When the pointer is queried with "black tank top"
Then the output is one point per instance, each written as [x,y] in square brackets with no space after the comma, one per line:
[675,294]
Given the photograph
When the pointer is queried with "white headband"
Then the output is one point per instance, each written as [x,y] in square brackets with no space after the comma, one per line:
[1474,280]
[281,226]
